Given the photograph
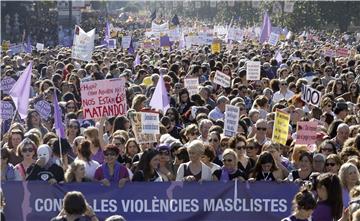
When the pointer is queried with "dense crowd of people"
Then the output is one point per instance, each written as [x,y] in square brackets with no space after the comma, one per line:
[192,146]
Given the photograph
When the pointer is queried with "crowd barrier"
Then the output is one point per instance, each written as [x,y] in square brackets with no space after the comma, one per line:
[270,201]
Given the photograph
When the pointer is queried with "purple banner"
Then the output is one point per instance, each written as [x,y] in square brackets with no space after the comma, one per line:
[155,201]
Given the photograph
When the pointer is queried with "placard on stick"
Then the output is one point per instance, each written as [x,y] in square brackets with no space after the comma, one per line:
[253,70]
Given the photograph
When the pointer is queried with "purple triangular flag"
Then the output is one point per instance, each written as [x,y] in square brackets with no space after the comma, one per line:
[28,48]
[107,33]
[59,127]
[266,29]
[20,92]
[160,98]
[137,60]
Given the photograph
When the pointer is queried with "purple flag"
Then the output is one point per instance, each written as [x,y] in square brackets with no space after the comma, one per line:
[165,41]
[266,28]
[137,60]
[20,92]
[59,127]
[160,98]
[28,48]
[107,33]
[131,48]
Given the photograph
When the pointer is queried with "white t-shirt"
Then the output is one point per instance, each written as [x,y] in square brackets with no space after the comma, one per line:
[90,168]
[279,96]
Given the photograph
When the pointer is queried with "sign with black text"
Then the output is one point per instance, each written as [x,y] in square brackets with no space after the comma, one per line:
[310,95]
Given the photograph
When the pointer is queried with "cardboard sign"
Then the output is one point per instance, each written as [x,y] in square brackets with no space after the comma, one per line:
[231,123]
[39,46]
[7,110]
[103,98]
[253,70]
[281,127]
[329,52]
[306,132]
[160,28]
[150,123]
[310,95]
[289,6]
[342,52]
[136,123]
[83,45]
[6,84]
[273,39]
[125,42]
[192,85]
[222,79]
[44,108]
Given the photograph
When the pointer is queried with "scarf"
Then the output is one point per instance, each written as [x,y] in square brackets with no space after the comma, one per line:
[115,177]
[225,174]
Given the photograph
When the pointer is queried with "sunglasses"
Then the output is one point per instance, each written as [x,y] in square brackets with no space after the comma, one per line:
[327,149]
[251,148]
[261,128]
[27,150]
[110,154]
[164,152]
[241,148]
[283,84]
[214,140]
[330,164]
[118,144]
[227,160]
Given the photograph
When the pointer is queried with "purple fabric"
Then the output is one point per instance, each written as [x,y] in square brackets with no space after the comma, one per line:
[266,28]
[28,48]
[225,174]
[137,60]
[20,92]
[59,127]
[160,99]
[165,41]
[99,156]
[322,212]
[105,169]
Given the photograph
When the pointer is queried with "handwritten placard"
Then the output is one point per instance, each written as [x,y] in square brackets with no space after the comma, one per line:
[253,70]
[222,79]
[231,123]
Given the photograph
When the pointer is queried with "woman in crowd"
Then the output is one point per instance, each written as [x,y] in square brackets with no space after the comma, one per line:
[327,147]
[349,177]
[304,204]
[8,171]
[132,148]
[245,164]
[194,170]
[147,169]
[27,150]
[333,163]
[208,158]
[265,169]
[92,134]
[15,138]
[214,142]
[84,155]
[330,206]
[230,169]
[34,121]
[305,168]
[111,171]
[165,165]
[76,173]
[72,130]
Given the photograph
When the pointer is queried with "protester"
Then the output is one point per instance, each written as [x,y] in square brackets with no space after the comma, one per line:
[27,150]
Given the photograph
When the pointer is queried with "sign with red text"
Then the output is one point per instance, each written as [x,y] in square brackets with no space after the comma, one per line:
[342,52]
[306,132]
[103,98]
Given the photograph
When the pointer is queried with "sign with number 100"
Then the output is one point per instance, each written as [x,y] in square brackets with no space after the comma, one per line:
[311,95]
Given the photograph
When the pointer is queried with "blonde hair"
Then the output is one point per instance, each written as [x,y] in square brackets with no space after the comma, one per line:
[70,172]
[138,99]
[345,169]
[93,135]
[196,146]
[231,152]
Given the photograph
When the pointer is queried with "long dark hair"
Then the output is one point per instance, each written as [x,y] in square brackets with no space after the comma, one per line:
[334,191]
[144,163]
[265,157]
[119,123]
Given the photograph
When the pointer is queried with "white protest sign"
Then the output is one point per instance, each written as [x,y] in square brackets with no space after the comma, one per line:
[83,44]
[39,46]
[310,95]
[150,123]
[7,110]
[6,84]
[288,35]
[253,70]
[103,98]
[160,28]
[222,79]
[231,123]
[44,108]
[273,39]
[192,85]
[125,42]
[136,123]
[289,6]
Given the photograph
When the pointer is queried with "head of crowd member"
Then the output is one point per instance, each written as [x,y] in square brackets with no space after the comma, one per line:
[319,162]
[184,96]
[182,156]
[253,149]
[73,128]
[349,152]
[214,141]
[149,163]
[74,204]
[254,115]
[342,133]
[333,163]
[121,123]
[261,128]
[230,159]
[341,110]
[327,147]
[221,102]
[27,149]
[111,154]
[238,144]
[349,177]
[304,204]
[191,132]
[132,148]
[195,151]
[75,172]
[329,191]
[204,127]
[265,164]
[15,138]
[139,102]
[119,141]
